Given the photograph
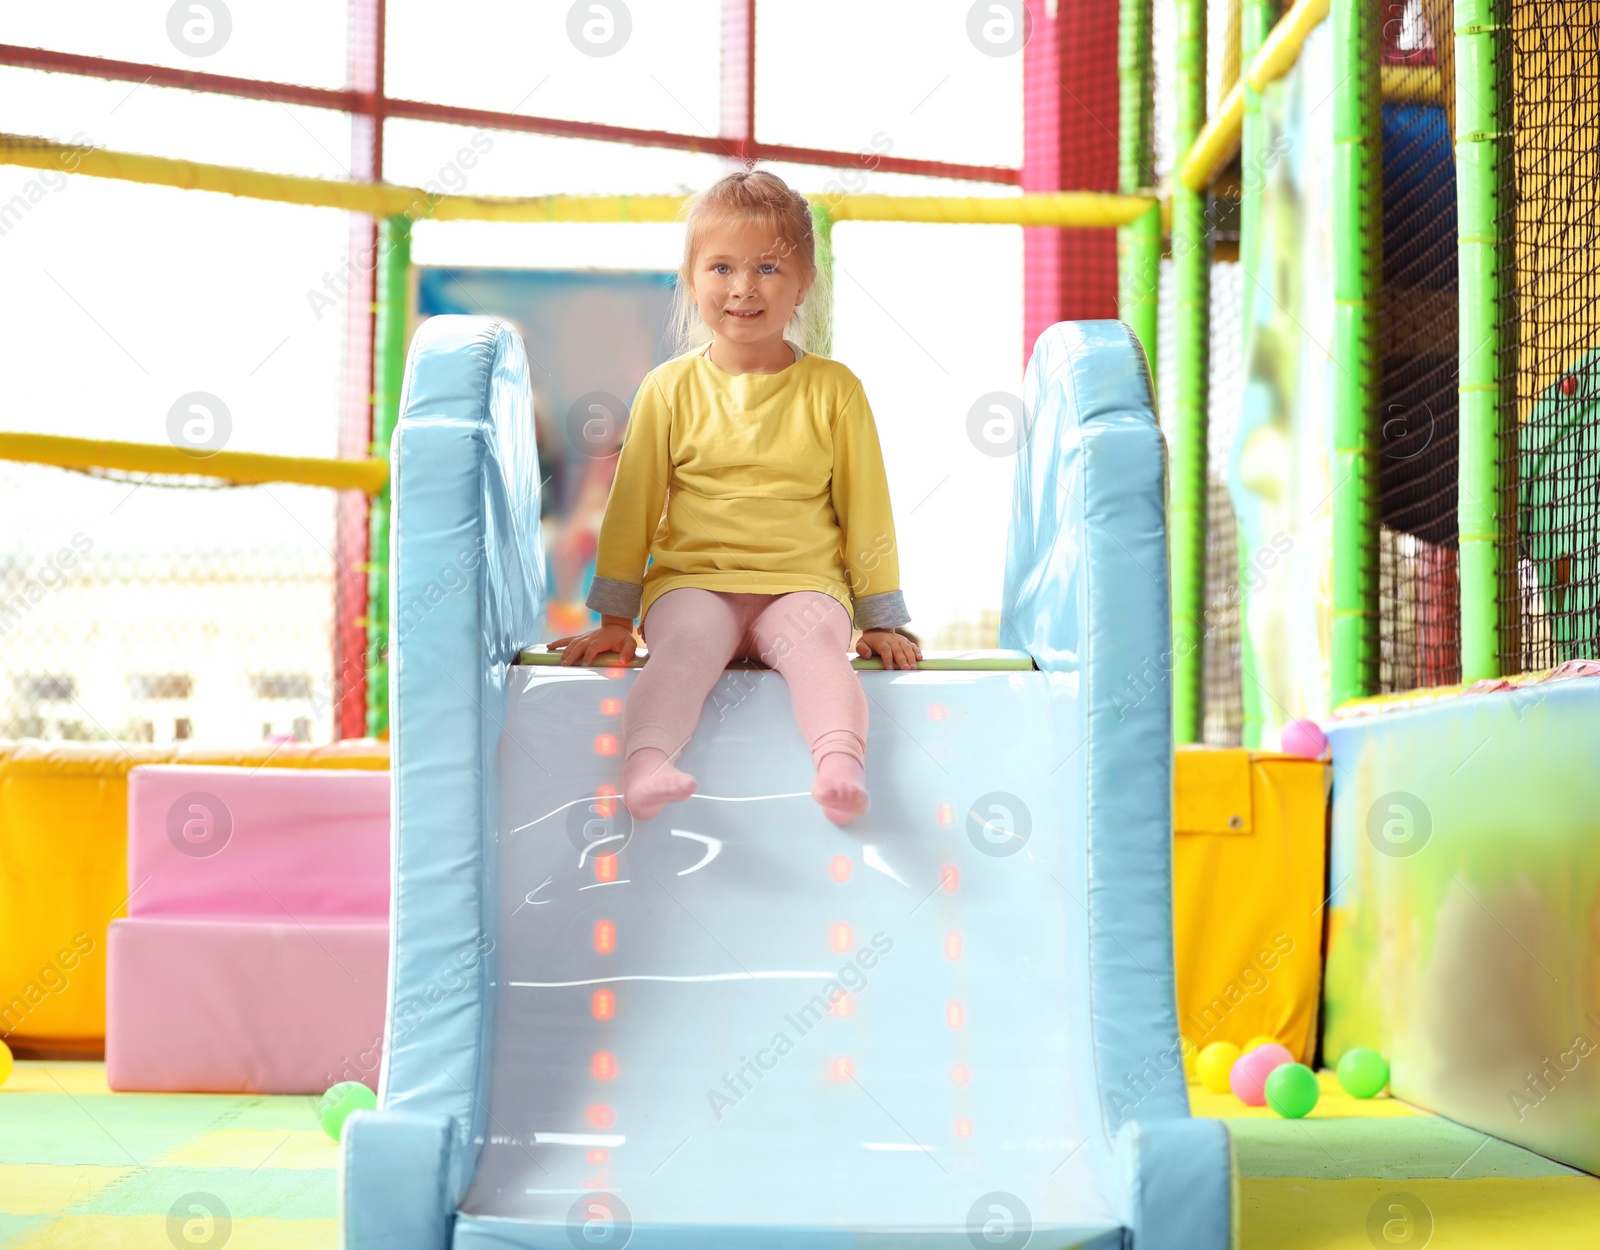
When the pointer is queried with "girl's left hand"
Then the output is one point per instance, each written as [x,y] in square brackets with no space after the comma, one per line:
[896,650]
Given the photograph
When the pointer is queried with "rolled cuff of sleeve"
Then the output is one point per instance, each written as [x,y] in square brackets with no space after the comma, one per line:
[610,597]
[880,611]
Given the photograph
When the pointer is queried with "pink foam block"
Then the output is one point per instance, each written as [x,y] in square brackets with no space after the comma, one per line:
[282,844]
[245,1006]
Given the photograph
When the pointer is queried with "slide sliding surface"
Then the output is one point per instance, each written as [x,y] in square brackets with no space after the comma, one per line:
[739,1018]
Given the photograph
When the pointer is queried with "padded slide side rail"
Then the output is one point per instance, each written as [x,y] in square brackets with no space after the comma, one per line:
[1087,595]
[467,592]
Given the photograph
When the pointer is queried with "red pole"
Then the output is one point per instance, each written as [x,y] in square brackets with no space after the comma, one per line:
[737,122]
[365,79]
[1069,127]
[351,101]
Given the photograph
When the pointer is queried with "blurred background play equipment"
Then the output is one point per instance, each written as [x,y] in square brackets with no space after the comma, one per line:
[1466,886]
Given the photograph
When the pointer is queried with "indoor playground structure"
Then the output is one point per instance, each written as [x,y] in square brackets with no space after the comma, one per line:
[1233,880]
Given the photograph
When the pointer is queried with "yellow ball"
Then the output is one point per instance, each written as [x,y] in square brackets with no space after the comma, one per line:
[1261,1039]
[1213,1064]
[1190,1050]
[5,1063]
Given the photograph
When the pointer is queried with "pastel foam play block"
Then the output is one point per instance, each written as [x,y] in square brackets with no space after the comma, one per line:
[277,844]
[255,954]
[212,1005]
[63,869]
[1248,882]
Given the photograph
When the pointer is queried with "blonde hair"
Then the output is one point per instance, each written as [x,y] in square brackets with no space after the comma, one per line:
[761,196]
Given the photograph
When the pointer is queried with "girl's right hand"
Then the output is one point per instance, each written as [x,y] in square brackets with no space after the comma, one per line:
[586,648]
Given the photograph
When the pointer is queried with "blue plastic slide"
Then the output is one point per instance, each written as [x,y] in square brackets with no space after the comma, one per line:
[950,1024]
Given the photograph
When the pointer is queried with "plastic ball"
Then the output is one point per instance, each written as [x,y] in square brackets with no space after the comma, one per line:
[1363,1072]
[1271,1055]
[1305,739]
[5,1063]
[1291,1090]
[1248,1076]
[1255,1043]
[1213,1064]
[339,1101]
[1248,1080]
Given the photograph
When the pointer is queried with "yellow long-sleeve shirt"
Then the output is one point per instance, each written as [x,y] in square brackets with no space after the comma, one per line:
[772,482]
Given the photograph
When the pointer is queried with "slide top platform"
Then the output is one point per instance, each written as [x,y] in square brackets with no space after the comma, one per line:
[932,661]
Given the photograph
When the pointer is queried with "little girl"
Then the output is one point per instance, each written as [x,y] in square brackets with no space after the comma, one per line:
[777,532]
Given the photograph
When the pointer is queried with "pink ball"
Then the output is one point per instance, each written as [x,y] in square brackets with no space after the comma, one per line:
[1248,1076]
[1271,1056]
[1305,739]
[1248,1081]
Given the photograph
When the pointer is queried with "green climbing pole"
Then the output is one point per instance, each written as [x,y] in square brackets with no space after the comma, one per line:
[1358,272]
[388,373]
[1138,245]
[1191,264]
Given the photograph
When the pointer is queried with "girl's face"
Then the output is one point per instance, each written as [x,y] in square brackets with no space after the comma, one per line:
[747,282]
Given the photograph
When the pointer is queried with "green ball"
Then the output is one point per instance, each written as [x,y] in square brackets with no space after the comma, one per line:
[339,1101]
[1363,1072]
[1292,1090]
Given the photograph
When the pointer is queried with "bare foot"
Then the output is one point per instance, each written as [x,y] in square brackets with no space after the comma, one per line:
[840,788]
[650,782]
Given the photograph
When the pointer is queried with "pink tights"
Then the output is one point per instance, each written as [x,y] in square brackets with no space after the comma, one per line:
[692,634]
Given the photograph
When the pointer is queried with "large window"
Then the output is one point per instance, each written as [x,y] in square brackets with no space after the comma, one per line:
[129,305]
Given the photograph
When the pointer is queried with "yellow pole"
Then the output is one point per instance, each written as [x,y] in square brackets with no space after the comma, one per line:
[244,468]
[1087,209]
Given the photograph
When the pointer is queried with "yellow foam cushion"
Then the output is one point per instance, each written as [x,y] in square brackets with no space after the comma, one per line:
[1248,871]
[1211,791]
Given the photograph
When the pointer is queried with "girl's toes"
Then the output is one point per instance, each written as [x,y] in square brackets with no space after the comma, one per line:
[650,782]
[840,789]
